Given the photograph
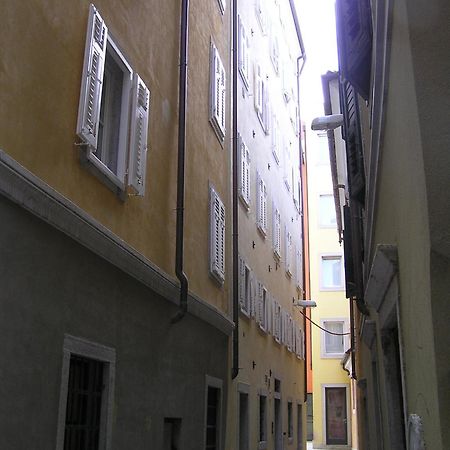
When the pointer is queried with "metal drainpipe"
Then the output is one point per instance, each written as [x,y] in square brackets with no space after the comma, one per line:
[182,100]
[305,324]
[235,368]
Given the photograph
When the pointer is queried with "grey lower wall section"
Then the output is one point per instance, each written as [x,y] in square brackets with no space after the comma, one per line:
[51,285]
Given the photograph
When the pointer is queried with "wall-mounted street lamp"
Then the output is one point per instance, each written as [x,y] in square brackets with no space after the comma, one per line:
[305,303]
[325,123]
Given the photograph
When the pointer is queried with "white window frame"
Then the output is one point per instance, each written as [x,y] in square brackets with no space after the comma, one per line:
[244,168]
[345,339]
[107,355]
[329,256]
[217,104]
[132,149]
[217,236]
[244,54]
[261,216]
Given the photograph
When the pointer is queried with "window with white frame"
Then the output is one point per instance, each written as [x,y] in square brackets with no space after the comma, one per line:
[276,235]
[244,287]
[213,413]
[327,211]
[333,343]
[244,50]
[276,139]
[217,236]
[244,179]
[88,379]
[217,93]
[116,141]
[262,306]
[222,5]
[299,342]
[261,206]
[288,251]
[331,272]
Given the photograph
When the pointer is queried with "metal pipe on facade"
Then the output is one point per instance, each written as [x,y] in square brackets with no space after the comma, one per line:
[235,210]
[182,100]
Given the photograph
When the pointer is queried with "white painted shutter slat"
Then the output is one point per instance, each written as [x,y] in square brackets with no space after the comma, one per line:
[258,89]
[92,79]
[140,112]
[217,255]
[252,295]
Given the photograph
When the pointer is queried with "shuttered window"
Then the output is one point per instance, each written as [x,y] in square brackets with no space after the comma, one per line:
[244,179]
[298,267]
[217,93]
[109,90]
[261,205]
[275,53]
[258,90]
[262,306]
[288,252]
[244,287]
[244,50]
[276,232]
[217,236]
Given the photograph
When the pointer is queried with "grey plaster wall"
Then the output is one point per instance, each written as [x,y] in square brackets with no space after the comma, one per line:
[49,286]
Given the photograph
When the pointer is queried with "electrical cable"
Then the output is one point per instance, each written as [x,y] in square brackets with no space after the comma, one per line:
[323,329]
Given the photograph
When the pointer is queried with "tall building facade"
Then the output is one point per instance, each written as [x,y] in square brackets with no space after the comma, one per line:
[267,394]
[116,196]
[95,353]
[332,399]
[393,77]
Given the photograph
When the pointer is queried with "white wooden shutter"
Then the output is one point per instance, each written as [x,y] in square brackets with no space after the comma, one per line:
[140,111]
[289,333]
[259,304]
[258,90]
[92,79]
[218,92]
[299,267]
[266,106]
[262,205]
[288,252]
[275,52]
[244,163]
[278,322]
[276,139]
[217,233]
[243,53]
[253,297]
[276,238]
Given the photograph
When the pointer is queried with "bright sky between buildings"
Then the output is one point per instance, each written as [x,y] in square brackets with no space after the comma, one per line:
[318,27]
